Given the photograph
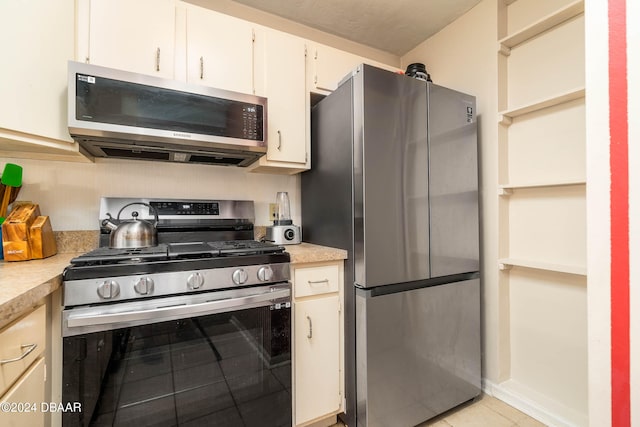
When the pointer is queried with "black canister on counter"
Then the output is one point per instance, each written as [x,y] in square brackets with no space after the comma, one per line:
[418,71]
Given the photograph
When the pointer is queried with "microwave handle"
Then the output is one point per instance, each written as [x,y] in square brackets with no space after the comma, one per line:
[175,311]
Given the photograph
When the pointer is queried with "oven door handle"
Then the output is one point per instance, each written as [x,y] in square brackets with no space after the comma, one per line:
[172,312]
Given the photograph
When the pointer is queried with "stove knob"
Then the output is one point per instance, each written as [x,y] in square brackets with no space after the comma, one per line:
[143,285]
[108,289]
[239,276]
[195,281]
[265,274]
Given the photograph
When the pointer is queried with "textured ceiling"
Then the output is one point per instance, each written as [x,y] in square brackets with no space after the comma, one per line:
[394,26]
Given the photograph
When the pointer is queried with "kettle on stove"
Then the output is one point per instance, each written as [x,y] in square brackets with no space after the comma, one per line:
[132,233]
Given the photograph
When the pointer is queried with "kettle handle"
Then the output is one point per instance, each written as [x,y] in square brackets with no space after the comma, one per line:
[155,212]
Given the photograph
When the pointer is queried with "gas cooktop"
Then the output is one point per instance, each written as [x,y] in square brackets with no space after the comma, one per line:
[170,257]
[175,251]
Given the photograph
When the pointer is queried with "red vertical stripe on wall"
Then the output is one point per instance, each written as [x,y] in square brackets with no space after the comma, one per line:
[619,164]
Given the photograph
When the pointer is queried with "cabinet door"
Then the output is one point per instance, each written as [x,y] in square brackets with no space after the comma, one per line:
[331,65]
[317,358]
[37,40]
[219,50]
[137,36]
[280,65]
[29,391]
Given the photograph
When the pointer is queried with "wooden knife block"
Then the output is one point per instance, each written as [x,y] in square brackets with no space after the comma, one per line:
[27,235]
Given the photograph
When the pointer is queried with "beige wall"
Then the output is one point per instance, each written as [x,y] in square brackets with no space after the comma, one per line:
[463,57]
[70,192]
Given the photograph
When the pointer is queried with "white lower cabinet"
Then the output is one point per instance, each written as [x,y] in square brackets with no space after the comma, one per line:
[22,404]
[22,370]
[318,341]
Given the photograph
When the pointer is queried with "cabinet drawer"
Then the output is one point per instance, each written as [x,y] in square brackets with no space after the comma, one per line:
[25,335]
[315,280]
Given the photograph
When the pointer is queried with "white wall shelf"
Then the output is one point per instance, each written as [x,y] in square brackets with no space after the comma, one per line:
[548,22]
[506,117]
[507,189]
[508,263]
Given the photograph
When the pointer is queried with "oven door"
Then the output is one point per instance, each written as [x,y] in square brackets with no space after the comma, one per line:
[189,360]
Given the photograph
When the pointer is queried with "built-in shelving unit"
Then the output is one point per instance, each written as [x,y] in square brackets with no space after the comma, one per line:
[541,33]
[544,24]
[542,202]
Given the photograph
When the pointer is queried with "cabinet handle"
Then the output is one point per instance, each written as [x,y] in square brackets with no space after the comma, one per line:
[310,334]
[318,282]
[158,59]
[201,68]
[279,140]
[29,348]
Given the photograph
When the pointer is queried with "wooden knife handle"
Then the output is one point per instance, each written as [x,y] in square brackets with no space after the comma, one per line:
[6,194]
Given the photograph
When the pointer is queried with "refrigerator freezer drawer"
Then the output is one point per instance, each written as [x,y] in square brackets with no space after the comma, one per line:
[418,352]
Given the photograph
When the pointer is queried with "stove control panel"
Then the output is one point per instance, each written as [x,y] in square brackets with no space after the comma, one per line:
[188,212]
[151,285]
[186,208]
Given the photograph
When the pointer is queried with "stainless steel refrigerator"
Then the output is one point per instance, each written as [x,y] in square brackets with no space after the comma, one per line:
[394,181]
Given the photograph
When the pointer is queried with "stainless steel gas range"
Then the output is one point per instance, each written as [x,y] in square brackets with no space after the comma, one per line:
[194,329]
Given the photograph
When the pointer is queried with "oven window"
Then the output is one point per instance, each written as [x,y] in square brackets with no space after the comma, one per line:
[231,369]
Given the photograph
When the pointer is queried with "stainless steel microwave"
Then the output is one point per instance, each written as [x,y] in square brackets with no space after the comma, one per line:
[115,113]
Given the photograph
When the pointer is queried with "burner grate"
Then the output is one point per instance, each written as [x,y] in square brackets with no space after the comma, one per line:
[176,251]
[102,256]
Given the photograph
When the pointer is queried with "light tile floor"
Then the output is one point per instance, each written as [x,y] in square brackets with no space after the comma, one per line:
[487,411]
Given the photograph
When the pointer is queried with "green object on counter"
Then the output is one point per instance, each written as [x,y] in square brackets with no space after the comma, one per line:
[11,177]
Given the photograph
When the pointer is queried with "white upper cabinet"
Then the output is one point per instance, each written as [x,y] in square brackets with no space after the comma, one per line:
[279,67]
[37,40]
[137,36]
[219,50]
[329,66]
